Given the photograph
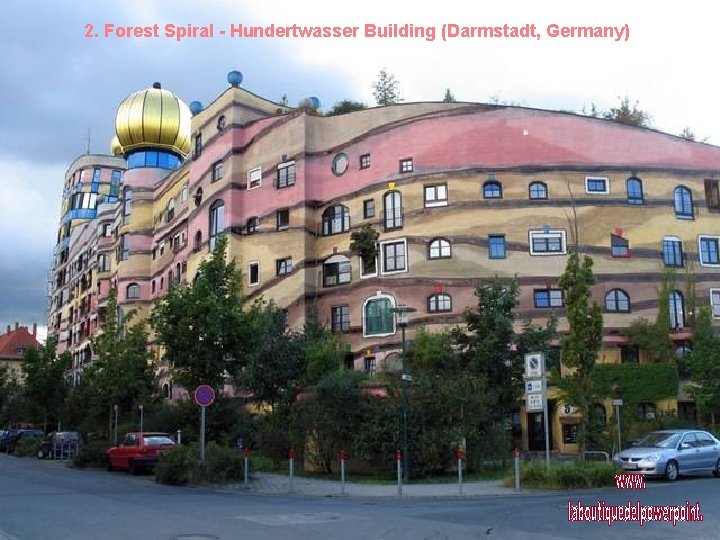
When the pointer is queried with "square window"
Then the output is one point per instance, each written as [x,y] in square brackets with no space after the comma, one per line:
[252,225]
[368,270]
[283,266]
[548,298]
[406,165]
[197,147]
[394,256]
[340,318]
[709,250]
[254,178]
[436,195]
[550,242]
[365,161]
[253,273]
[496,246]
[337,273]
[285,175]
[283,219]
[370,364]
[712,195]
[619,246]
[597,184]
[217,171]
[672,252]
[715,303]
[369,208]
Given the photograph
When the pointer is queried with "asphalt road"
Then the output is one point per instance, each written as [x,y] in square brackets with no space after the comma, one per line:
[47,501]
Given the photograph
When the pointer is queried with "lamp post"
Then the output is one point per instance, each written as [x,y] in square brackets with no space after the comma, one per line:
[402,321]
[617,402]
[141,407]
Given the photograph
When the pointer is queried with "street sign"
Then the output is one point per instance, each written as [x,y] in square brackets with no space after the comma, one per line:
[204,395]
[534,365]
[534,402]
[534,385]
[617,402]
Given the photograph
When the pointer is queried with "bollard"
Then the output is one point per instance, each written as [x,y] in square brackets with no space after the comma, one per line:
[343,458]
[179,436]
[246,454]
[399,457]
[460,455]
[517,469]
[291,456]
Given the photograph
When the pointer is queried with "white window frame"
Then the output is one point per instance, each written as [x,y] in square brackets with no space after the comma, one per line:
[363,274]
[604,179]
[381,255]
[715,312]
[378,295]
[549,234]
[436,200]
[254,178]
[700,253]
[253,283]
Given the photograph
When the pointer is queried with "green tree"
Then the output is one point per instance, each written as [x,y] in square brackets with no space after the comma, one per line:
[449,96]
[386,89]
[687,134]
[581,345]
[624,113]
[346,106]
[44,383]
[323,350]
[201,327]
[705,368]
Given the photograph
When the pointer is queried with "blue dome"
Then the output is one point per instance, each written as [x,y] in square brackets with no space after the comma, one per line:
[314,102]
[195,107]
[234,78]
[309,103]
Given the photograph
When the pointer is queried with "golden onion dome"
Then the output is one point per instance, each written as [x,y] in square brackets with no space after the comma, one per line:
[115,147]
[153,118]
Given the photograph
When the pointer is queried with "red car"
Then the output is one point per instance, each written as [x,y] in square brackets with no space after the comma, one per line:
[138,451]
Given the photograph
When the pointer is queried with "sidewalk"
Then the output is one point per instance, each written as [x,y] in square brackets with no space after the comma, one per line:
[277,484]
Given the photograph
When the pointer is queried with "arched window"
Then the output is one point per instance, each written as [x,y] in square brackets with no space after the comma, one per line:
[127,204]
[198,197]
[198,240]
[598,415]
[217,222]
[336,271]
[683,203]
[378,318]
[335,220]
[492,189]
[392,209]
[178,271]
[617,301]
[439,303]
[634,191]
[133,291]
[538,190]
[677,310]
[439,248]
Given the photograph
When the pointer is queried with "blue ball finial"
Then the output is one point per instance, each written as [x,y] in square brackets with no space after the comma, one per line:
[309,103]
[195,107]
[314,102]
[234,78]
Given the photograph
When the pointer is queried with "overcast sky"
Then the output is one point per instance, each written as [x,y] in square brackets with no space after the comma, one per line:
[55,84]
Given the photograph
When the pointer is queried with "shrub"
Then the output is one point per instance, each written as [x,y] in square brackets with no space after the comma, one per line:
[181,465]
[570,476]
[27,447]
[91,454]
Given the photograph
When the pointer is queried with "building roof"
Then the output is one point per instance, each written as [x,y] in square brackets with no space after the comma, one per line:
[14,340]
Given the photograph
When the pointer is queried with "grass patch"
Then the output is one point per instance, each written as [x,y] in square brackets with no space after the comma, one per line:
[574,475]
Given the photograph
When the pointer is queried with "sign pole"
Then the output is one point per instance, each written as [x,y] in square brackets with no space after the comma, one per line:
[202,435]
[204,397]
[545,422]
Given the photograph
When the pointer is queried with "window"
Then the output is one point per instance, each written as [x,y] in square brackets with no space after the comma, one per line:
[715,303]
[107,229]
[436,195]
[123,252]
[369,208]
[221,122]
[496,246]
[492,189]
[378,318]
[217,171]
[369,364]
[133,291]
[368,269]
[283,266]
[629,354]
[439,248]
[634,191]
[570,433]
[617,301]
[597,184]
[285,175]
[282,219]
[619,246]
[253,273]
[546,298]
[336,271]
[152,286]
[198,197]
[677,310]
[538,190]
[648,411]
[198,241]
[127,205]
[252,225]
[439,303]
[709,250]
[170,211]
[672,252]
[254,178]
[197,147]
[217,222]
[365,161]
[184,194]
[551,242]
[683,203]
[340,164]
[335,220]
[103,263]
[394,256]
[392,208]
[406,165]
[712,195]
[340,318]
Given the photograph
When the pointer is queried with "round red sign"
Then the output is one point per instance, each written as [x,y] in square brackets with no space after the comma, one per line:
[204,395]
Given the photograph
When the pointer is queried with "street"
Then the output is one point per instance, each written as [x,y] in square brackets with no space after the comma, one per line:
[46,500]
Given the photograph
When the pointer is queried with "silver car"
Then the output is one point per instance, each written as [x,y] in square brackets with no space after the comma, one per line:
[671,453]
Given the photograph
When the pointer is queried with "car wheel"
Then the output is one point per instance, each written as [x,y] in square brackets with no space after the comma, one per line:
[41,454]
[716,472]
[671,471]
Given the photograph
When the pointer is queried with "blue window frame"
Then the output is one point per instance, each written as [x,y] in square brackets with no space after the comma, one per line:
[634,191]
[597,184]
[492,189]
[496,246]
[538,190]
[617,301]
[548,298]
[683,203]
[709,250]
[217,222]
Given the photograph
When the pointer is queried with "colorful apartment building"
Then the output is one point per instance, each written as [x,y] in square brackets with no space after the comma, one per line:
[459,193]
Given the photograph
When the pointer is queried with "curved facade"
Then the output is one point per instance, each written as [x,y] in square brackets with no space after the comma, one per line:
[460,193]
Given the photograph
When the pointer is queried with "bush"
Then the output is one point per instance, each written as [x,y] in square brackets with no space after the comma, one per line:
[559,476]
[92,454]
[181,465]
[27,447]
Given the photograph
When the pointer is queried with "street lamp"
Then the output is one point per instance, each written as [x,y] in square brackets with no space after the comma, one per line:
[402,321]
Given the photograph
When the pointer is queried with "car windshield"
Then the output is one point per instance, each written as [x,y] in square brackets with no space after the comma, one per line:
[659,439]
[152,440]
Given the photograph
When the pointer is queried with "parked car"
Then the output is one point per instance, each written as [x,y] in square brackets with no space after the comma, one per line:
[59,444]
[671,453]
[138,451]
[13,436]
